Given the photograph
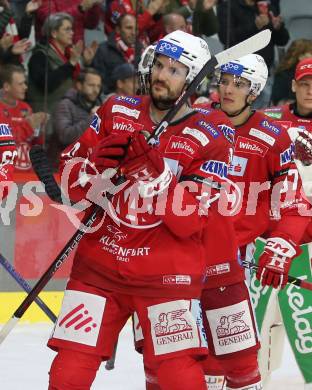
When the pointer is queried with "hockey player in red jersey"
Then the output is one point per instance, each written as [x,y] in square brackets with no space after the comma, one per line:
[8,154]
[268,180]
[299,115]
[231,301]
[148,255]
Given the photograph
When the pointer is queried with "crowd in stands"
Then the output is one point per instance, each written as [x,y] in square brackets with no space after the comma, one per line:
[53,80]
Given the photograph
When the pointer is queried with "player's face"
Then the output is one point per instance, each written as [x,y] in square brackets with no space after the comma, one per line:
[233,92]
[303,91]
[18,87]
[167,80]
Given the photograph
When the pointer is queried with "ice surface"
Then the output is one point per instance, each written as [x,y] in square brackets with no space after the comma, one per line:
[25,361]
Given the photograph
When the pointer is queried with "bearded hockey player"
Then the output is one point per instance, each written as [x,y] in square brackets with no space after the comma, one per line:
[148,256]
[225,299]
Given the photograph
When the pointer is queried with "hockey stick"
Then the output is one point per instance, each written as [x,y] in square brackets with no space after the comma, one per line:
[248,46]
[291,279]
[25,286]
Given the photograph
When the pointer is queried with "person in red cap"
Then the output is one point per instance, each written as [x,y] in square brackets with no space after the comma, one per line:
[297,118]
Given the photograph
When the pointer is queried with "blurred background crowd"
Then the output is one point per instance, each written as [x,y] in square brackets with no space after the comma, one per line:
[61,59]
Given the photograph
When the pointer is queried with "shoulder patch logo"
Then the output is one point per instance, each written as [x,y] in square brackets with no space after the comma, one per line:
[96,123]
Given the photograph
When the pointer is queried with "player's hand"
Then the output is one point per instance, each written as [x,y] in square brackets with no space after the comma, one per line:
[275,261]
[145,165]
[302,140]
[109,152]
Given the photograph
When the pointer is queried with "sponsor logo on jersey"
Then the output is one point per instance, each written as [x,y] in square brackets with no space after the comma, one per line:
[263,136]
[228,132]
[269,126]
[95,123]
[286,156]
[133,101]
[181,145]
[271,114]
[218,168]
[218,269]
[204,111]
[80,318]
[232,68]
[208,127]
[197,134]
[169,49]
[238,166]
[125,110]
[248,145]
[111,244]
[123,124]
[5,130]
[23,160]
[177,279]
[231,328]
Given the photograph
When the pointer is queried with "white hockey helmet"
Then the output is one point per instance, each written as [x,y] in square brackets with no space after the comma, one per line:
[144,69]
[191,51]
[251,67]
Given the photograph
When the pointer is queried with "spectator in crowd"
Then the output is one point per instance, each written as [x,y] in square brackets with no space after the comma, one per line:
[73,114]
[86,14]
[204,18]
[14,42]
[27,127]
[118,49]
[281,91]
[58,59]
[124,80]
[148,17]
[247,17]
[174,21]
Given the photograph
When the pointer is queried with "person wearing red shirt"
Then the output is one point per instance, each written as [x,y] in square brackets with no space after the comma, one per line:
[299,115]
[271,204]
[85,12]
[26,126]
[149,255]
[7,156]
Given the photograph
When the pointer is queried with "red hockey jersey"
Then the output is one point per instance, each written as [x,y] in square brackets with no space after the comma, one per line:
[22,131]
[262,167]
[151,251]
[7,155]
[287,116]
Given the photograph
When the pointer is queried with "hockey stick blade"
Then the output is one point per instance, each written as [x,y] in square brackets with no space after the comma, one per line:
[248,46]
[291,279]
[44,172]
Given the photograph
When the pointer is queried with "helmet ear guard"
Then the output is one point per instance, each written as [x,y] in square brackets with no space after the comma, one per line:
[144,69]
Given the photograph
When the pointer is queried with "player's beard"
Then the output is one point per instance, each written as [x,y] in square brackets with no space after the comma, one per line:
[162,103]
